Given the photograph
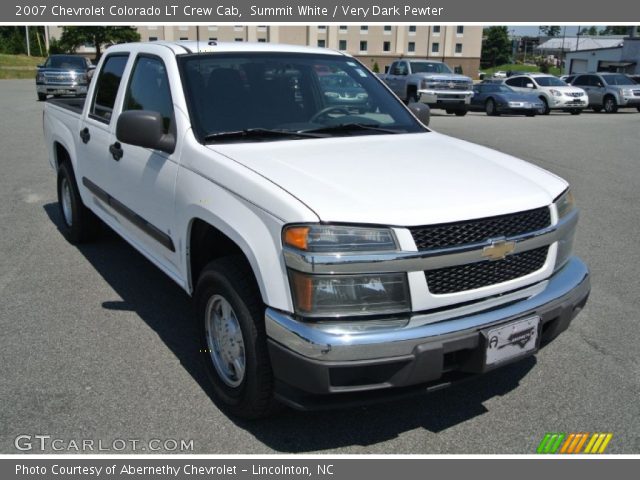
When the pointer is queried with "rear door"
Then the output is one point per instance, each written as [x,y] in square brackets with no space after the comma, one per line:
[95,165]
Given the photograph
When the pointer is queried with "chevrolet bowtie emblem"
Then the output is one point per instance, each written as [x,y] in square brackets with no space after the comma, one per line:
[498,249]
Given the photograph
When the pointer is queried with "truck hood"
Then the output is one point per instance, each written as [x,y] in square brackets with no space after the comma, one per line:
[401,179]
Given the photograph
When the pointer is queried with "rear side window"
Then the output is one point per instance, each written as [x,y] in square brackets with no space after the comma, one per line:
[149,89]
[107,85]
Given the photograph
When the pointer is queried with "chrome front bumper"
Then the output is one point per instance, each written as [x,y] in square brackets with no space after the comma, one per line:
[71,89]
[432,97]
[559,297]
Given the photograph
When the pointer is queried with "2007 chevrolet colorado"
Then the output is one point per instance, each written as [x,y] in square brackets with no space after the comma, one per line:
[335,252]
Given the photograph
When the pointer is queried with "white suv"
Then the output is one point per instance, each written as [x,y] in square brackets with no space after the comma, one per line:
[554,93]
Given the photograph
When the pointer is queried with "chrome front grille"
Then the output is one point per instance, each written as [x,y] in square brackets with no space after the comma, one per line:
[482,274]
[446,235]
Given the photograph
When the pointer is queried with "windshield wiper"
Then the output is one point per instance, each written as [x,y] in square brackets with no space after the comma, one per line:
[352,127]
[257,133]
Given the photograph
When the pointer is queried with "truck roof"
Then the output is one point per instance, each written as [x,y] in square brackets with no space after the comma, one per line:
[206,46]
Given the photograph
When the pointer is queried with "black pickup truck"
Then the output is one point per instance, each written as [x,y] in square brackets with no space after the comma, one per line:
[63,75]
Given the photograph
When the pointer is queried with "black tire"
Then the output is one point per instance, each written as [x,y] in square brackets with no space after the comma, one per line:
[575,111]
[412,97]
[79,224]
[597,109]
[231,278]
[450,111]
[530,114]
[460,113]
[638,108]
[42,97]
[490,108]
[545,109]
[610,105]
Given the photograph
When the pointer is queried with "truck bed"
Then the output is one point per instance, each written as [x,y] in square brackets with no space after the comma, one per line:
[74,104]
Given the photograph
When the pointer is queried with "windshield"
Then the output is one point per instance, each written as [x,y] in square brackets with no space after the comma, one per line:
[429,67]
[287,92]
[68,62]
[618,80]
[550,82]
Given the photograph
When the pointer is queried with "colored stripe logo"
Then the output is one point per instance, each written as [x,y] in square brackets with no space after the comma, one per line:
[569,443]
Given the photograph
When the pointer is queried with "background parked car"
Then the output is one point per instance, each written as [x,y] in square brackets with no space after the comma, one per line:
[341,89]
[496,98]
[499,74]
[554,93]
[609,91]
[63,75]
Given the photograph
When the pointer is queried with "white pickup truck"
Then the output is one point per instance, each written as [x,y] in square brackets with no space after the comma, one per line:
[336,253]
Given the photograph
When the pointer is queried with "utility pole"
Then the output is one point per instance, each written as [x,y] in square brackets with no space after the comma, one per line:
[46,39]
[26,28]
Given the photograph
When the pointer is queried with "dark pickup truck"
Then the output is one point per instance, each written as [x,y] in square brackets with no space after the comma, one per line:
[63,75]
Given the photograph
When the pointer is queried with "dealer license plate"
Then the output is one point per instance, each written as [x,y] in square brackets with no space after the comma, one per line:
[512,340]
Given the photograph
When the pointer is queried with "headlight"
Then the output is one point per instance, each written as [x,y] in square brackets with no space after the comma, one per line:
[40,78]
[349,295]
[555,93]
[82,79]
[338,239]
[565,204]
[627,92]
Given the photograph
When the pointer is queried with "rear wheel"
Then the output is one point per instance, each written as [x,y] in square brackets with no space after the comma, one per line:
[610,104]
[79,224]
[234,343]
[490,107]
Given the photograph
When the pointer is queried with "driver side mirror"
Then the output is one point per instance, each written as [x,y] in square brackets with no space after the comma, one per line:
[530,85]
[421,111]
[40,66]
[145,129]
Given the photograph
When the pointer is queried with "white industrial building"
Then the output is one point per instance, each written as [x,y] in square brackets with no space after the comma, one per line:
[623,58]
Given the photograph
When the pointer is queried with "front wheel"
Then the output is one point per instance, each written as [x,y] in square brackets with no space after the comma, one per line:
[610,105]
[575,111]
[79,224]
[460,113]
[42,97]
[234,343]
[638,108]
[490,108]
[545,110]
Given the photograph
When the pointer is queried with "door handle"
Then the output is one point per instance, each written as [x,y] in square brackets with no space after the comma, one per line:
[85,135]
[116,151]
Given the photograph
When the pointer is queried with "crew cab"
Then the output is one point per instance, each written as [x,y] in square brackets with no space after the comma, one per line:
[336,253]
[430,82]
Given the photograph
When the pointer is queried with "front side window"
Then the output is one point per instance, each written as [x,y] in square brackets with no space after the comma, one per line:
[149,90]
[240,96]
[107,85]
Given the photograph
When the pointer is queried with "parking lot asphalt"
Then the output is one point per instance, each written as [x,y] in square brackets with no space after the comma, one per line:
[96,343]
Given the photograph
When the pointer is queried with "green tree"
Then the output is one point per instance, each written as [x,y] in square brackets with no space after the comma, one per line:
[376,67]
[74,37]
[549,30]
[592,30]
[13,40]
[496,46]
[615,30]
